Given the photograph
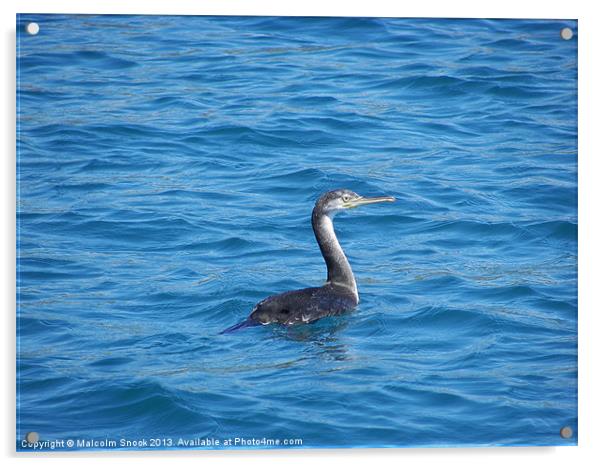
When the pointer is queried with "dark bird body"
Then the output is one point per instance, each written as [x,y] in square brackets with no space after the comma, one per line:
[304,306]
[339,293]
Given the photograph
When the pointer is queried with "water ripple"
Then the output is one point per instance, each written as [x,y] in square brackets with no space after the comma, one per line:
[167,170]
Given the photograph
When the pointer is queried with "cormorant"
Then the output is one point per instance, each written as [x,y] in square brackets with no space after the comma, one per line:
[339,293]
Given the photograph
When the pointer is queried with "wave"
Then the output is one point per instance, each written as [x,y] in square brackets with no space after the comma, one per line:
[80,58]
[165,185]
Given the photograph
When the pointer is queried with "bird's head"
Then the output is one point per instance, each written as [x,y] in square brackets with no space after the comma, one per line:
[333,202]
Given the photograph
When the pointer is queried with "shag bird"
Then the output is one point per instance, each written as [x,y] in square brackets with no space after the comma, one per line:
[339,293]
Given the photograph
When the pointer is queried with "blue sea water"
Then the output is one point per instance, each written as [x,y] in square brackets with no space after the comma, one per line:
[167,167]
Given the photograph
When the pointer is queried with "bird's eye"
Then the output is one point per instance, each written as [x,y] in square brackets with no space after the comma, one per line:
[346,198]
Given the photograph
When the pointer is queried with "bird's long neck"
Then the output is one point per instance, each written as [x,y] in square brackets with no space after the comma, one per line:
[339,270]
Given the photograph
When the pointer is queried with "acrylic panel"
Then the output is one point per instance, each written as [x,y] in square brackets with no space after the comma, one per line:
[171,176]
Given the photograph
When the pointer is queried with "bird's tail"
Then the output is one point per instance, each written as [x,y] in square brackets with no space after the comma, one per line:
[243,324]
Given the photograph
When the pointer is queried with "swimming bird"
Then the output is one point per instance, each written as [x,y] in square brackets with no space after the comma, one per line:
[339,293]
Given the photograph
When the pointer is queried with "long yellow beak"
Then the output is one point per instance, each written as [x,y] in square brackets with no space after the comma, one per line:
[367,200]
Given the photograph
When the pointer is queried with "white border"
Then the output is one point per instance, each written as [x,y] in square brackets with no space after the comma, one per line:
[439,8]
[590,231]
